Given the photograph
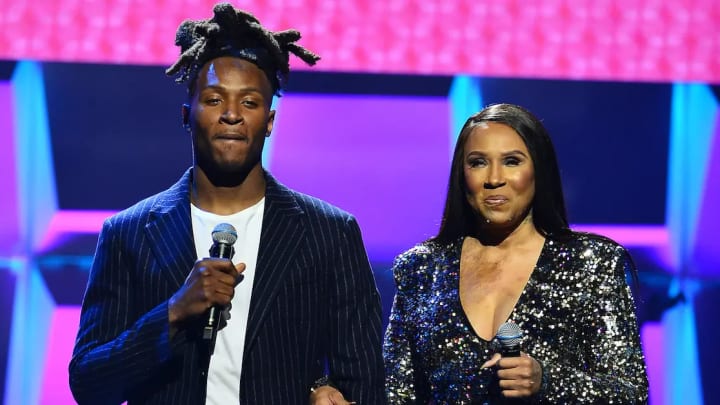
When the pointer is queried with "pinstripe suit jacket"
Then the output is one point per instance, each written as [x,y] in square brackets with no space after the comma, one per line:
[314,301]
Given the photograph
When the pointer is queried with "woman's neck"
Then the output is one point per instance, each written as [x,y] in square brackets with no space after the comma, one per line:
[508,237]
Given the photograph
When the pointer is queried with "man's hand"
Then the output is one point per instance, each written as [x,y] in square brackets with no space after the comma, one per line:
[211,282]
[327,395]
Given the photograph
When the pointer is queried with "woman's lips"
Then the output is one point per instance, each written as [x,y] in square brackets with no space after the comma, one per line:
[495,200]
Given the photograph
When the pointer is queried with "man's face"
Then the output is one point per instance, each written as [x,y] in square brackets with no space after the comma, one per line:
[229,116]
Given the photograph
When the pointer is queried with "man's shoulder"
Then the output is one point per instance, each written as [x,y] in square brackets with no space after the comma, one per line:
[318,206]
[310,205]
[175,194]
[139,210]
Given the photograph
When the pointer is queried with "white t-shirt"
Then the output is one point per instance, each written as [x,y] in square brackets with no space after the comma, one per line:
[223,386]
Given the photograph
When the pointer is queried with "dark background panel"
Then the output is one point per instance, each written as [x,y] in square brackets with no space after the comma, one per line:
[367,83]
[706,306]
[117,135]
[386,286]
[7,68]
[611,139]
[8,281]
[65,278]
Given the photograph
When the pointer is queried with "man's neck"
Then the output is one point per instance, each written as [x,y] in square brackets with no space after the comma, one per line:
[227,200]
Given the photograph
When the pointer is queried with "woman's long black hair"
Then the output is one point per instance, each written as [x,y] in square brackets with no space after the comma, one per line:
[548,204]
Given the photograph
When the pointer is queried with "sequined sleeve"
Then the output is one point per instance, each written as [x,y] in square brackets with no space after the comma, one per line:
[615,369]
[404,382]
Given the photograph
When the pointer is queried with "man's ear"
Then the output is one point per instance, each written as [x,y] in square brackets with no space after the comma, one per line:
[271,121]
[186,115]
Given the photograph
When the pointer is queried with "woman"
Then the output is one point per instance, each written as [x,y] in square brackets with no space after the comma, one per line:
[505,253]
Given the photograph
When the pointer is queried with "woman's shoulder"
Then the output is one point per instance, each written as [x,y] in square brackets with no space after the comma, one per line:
[582,241]
[428,250]
[418,263]
[594,252]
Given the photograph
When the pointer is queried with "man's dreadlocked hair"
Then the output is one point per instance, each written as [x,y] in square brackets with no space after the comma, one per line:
[236,33]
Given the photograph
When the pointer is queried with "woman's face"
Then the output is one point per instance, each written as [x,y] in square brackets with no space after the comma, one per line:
[499,175]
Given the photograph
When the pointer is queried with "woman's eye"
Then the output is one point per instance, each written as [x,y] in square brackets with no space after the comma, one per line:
[512,161]
[476,162]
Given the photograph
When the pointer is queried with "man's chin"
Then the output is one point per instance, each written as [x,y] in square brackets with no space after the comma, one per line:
[228,175]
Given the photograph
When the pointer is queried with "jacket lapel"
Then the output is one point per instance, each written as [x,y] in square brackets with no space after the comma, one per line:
[169,230]
[281,235]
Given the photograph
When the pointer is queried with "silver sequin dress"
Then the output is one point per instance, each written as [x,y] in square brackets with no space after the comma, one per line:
[576,311]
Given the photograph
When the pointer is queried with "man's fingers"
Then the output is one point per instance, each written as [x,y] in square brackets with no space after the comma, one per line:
[218,290]
[224,292]
[223,271]
[226,266]
[327,395]
[240,267]
[338,399]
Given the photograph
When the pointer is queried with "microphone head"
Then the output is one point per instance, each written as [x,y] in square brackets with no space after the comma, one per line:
[510,335]
[224,233]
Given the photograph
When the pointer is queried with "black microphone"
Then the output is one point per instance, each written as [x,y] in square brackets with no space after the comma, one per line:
[510,336]
[224,237]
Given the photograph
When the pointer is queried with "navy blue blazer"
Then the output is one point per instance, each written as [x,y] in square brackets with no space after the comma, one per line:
[314,301]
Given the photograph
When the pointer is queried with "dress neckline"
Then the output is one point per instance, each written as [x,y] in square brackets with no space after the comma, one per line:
[523,293]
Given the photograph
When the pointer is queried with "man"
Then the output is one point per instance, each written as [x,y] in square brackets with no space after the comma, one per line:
[301,292]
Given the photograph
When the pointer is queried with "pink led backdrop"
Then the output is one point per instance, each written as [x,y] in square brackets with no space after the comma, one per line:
[645,40]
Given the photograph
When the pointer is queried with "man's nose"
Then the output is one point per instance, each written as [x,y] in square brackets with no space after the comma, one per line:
[231,115]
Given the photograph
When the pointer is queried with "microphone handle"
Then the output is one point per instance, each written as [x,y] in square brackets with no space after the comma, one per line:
[209,333]
[511,351]
[210,330]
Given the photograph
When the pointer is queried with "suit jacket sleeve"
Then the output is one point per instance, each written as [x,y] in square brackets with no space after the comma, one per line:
[116,349]
[355,360]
